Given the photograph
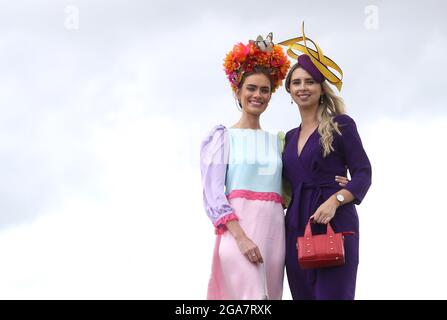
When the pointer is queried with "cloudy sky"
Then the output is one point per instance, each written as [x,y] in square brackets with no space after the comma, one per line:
[103,107]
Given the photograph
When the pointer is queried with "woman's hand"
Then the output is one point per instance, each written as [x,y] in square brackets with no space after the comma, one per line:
[249,249]
[342,181]
[326,211]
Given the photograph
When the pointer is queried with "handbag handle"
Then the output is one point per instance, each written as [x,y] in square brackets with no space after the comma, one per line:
[330,231]
[308,231]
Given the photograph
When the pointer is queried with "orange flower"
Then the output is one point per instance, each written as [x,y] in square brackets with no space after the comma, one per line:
[243,58]
[240,52]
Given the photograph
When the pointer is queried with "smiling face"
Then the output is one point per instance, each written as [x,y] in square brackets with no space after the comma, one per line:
[255,93]
[305,91]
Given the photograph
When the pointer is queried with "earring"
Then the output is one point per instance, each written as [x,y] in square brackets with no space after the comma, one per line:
[321,99]
[237,103]
[291,101]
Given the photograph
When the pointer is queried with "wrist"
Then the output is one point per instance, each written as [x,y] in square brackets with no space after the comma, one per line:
[235,229]
[338,199]
[239,236]
[334,201]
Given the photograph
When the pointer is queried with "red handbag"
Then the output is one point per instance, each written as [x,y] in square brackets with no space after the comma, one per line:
[323,250]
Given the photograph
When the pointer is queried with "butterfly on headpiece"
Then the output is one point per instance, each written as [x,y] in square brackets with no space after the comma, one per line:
[264,45]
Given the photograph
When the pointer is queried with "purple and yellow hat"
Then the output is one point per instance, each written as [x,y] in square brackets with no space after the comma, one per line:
[314,61]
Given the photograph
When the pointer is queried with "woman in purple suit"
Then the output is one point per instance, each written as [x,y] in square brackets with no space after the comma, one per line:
[326,144]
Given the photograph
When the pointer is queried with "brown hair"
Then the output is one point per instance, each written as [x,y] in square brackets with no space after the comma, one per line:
[256,70]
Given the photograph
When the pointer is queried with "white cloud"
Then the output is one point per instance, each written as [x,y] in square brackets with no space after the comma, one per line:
[123,237]
[402,219]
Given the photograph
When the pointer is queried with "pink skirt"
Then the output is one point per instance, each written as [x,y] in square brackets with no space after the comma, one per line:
[233,276]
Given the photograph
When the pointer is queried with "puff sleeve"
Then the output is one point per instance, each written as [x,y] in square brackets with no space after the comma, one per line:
[214,155]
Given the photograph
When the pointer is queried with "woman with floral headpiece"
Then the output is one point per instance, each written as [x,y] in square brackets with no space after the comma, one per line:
[241,175]
[326,143]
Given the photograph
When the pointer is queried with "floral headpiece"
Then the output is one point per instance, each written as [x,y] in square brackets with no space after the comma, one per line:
[314,61]
[259,53]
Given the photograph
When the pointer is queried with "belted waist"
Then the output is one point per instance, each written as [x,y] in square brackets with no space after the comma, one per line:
[315,185]
[321,188]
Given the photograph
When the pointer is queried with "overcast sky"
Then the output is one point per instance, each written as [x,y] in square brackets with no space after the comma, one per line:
[104,105]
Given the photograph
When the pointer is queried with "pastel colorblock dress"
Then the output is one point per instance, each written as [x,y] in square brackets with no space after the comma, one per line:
[241,176]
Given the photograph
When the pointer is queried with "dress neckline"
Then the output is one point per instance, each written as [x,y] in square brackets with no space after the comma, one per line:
[299,154]
[245,129]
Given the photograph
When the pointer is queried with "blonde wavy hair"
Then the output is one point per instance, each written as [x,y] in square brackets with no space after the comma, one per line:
[332,106]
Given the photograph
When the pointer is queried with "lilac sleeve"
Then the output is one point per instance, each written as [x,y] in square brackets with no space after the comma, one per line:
[356,159]
[214,153]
